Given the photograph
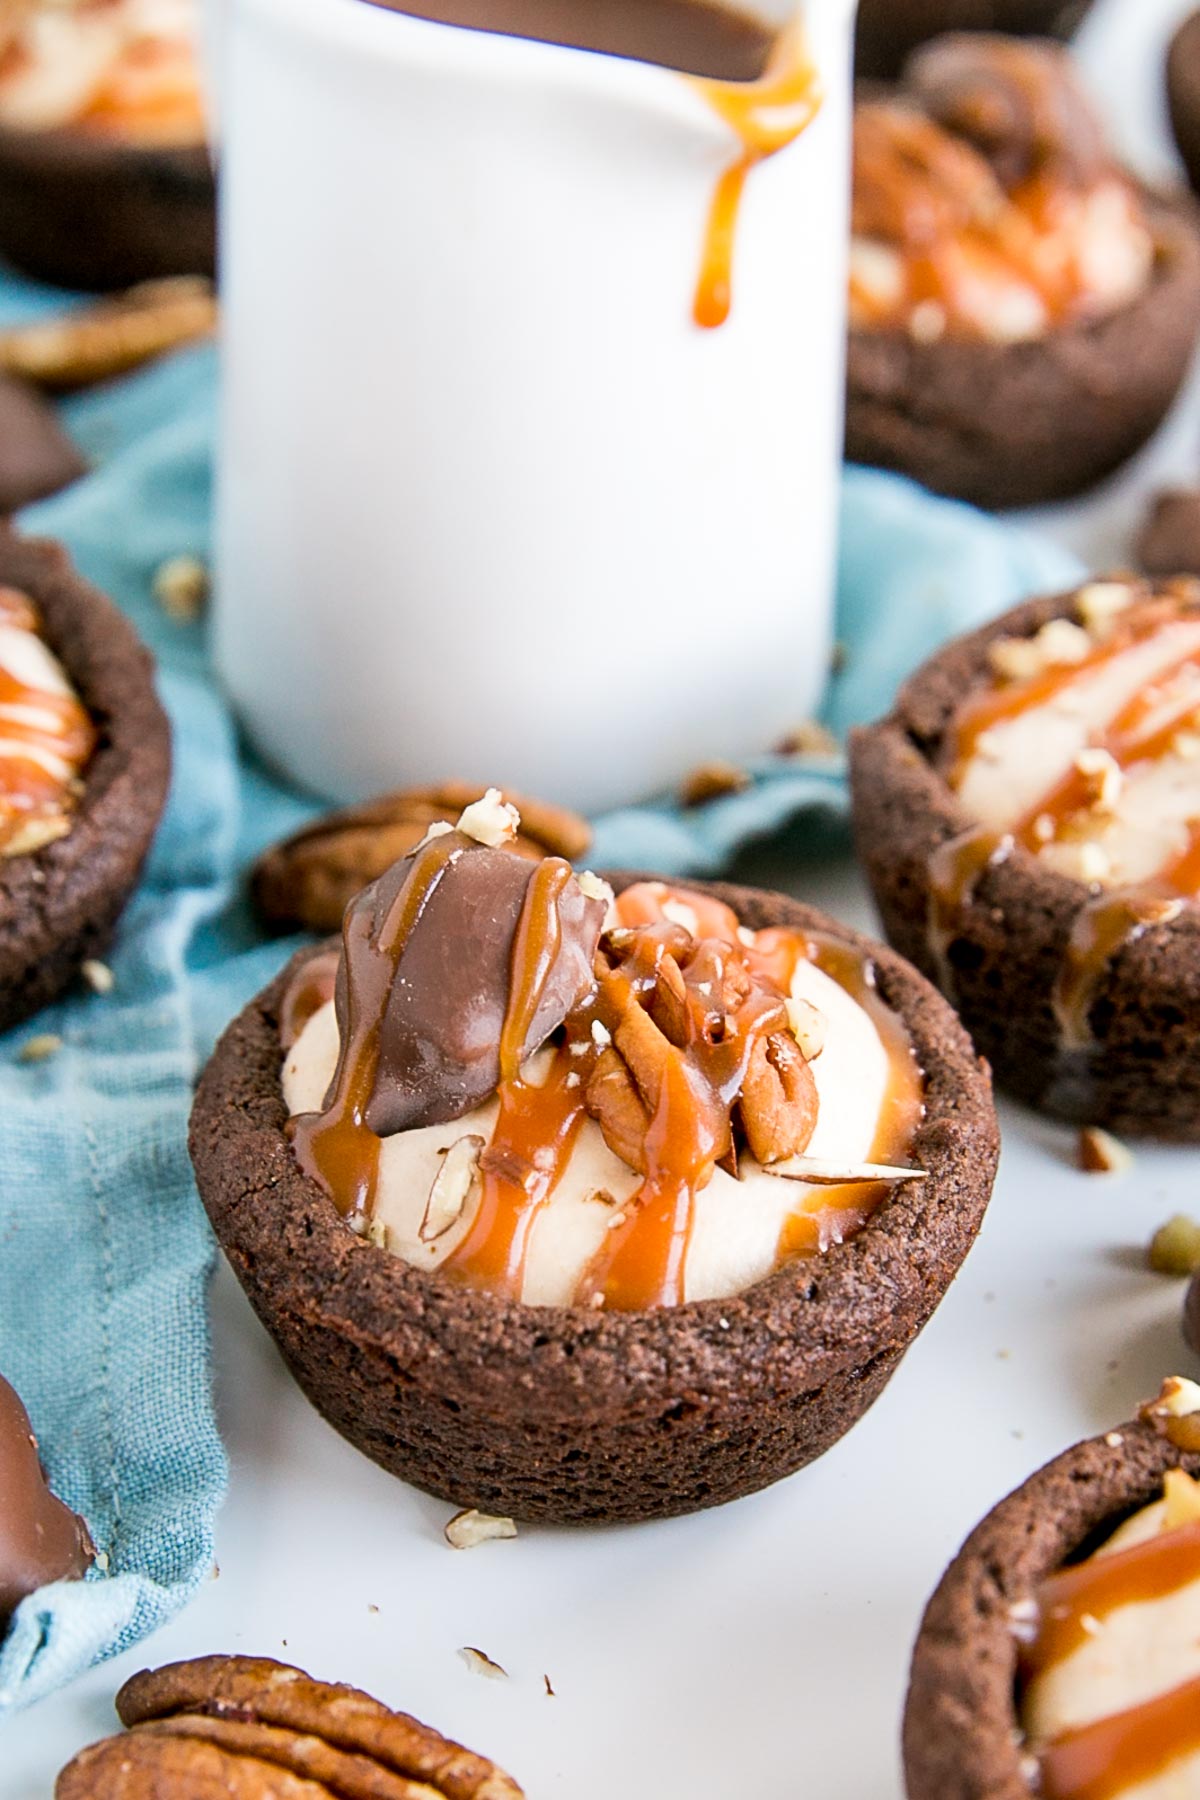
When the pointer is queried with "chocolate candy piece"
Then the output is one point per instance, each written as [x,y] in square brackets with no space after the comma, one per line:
[1021,105]
[441,993]
[36,455]
[41,1540]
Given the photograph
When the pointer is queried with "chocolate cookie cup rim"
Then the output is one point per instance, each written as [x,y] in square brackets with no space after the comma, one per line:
[965,1658]
[125,780]
[100,214]
[70,146]
[945,387]
[922,710]
[787,1335]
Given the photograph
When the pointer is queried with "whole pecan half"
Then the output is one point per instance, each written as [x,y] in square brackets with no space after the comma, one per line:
[693,1007]
[310,878]
[252,1729]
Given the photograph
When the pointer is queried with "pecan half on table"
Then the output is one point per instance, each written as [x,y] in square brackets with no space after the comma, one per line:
[247,1728]
[310,878]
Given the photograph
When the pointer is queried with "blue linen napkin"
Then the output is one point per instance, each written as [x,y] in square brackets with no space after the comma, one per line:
[104,1252]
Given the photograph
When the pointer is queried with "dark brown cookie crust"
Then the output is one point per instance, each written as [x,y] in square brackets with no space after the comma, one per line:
[1183,94]
[1143,1076]
[1018,424]
[89,214]
[555,1413]
[888,30]
[60,904]
[960,1720]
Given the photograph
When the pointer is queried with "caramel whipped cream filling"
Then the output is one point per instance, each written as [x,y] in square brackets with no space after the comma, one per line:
[566,1099]
[985,203]
[1110,1653]
[122,69]
[46,735]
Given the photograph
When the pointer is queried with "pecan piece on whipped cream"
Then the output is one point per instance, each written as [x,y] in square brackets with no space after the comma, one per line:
[310,878]
[252,1729]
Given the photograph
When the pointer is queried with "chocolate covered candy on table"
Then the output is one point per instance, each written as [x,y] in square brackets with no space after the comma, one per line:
[253,1729]
[569,1302]
[1029,820]
[1067,1629]
[1022,311]
[41,1540]
[37,457]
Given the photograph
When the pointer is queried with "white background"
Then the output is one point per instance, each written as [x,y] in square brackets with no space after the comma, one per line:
[761,1649]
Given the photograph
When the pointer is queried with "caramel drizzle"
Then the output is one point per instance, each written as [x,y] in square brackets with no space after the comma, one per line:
[1113,1755]
[643,1260]
[38,724]
[536,1128]
[838,1212]
[336,1147]
[955,870]
[1099,932]
[767,115]
[1091,1590]
[1138,734]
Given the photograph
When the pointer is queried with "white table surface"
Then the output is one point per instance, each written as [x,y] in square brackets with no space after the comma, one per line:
[761,1649]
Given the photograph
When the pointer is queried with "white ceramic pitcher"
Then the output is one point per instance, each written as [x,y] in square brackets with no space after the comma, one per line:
[491,502]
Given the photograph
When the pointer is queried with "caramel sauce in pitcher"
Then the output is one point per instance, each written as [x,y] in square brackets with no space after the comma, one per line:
[697,37]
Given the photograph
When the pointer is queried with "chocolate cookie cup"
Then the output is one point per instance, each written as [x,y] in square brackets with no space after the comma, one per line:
[1089,1018]
[962,1737]
[1183,94]
[1018,424]
[887,30]
[86,212]
[59,904]
[558,1413]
